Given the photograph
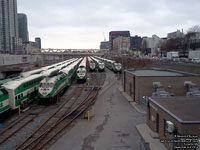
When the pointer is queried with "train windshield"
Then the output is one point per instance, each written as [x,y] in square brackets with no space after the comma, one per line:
[46,85]
[81,71]
[118,65]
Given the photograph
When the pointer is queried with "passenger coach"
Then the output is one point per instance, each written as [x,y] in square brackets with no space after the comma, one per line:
[81,73]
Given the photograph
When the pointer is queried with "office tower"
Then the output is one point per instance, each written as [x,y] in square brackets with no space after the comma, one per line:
[114,34]
[38,42]
[8,26]
[23,27]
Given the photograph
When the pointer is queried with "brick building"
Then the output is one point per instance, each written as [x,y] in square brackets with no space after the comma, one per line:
[173,118]
[138,83]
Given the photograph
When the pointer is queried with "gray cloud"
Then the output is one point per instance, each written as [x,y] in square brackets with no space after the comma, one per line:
[83,20]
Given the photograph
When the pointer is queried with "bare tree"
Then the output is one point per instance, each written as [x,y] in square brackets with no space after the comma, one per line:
[190,33]
[193,29]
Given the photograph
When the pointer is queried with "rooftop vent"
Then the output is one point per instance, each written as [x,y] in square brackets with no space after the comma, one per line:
[160,91]
[192,89]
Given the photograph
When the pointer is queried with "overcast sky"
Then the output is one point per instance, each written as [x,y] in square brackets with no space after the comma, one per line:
[82,23]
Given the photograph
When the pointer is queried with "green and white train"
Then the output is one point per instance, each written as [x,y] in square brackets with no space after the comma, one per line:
[22,90]
[91,64]
[52,87]
[100,64]
[4,103]
[81,73]
[112,65]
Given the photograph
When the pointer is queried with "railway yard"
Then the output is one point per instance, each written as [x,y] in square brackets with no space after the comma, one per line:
[92,103]
[41,124]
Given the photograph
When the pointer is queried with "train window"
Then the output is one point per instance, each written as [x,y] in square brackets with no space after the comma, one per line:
[15,97]
[18,96]
[4,91]
[51,85]
[22,95]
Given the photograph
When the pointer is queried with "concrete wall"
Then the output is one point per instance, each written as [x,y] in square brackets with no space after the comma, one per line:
[143,86]
[6,59]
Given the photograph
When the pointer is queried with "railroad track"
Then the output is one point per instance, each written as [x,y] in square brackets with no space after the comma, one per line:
[24,121]
[17,126]
[68,111]
[43,138]
[55,117]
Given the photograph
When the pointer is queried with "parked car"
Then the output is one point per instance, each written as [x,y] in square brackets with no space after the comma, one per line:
[184,59]
[195,60]
[176,59]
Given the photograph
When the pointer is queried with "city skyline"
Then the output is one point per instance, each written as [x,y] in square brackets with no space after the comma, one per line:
[81,24]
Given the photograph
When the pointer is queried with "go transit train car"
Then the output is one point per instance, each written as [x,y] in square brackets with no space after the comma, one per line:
[51,87]
[4,102]
[100,64]
[112,65]
[23,90]
[81,73]
[92,65]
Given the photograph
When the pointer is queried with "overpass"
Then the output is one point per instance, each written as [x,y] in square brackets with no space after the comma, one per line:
[70,52]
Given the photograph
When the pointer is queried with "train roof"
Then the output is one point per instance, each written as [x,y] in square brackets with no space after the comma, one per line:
[57,65]
[15,83]
[97,60]
[90,59]
[28,73]
[8,79]
[108,60]
[83,62]
[66,70]
[48,72]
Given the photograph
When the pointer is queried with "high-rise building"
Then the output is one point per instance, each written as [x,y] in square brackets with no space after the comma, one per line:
[114,34]
[38,42]
[23,27]
[121,45]
[135,42]
[104,45]
[8,26]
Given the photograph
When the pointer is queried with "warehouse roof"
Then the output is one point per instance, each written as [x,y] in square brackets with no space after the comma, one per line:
[159,72]
[183,109]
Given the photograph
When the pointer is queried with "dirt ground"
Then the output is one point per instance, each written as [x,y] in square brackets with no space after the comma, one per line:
[133,63]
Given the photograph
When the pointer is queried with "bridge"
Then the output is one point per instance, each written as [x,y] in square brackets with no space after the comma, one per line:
[70,52]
